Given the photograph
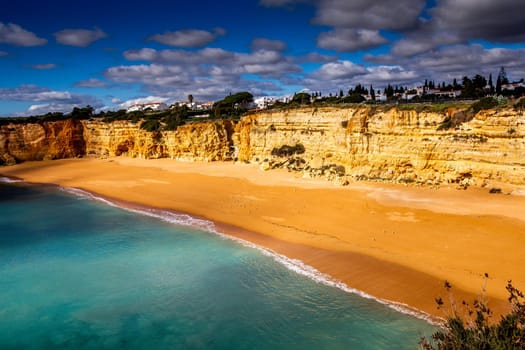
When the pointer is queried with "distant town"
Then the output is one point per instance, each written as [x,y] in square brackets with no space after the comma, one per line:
[430,91]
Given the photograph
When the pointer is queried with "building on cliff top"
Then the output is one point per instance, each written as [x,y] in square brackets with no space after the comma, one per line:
[152,106]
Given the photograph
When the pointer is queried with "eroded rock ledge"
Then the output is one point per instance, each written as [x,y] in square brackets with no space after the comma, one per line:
[339,143]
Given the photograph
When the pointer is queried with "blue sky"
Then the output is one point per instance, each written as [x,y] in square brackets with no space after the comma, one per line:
[55,55]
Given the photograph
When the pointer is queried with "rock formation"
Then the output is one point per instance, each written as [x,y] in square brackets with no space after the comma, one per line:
[339,143]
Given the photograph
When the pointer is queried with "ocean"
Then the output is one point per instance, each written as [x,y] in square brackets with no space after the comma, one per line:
[77,272]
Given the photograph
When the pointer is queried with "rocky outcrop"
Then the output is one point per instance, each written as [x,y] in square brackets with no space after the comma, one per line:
[197,141]
[38,141]
[390,145]
[338,143]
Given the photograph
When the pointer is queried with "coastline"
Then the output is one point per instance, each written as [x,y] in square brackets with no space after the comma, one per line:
[370,242]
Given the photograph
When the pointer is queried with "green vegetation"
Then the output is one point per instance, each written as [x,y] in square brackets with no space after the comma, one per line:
[232,106]
[151,125]
[288,151]
[477,330]
[484,103]
[520,105]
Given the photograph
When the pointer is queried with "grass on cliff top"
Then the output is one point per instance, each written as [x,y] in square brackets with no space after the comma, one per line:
[433,107]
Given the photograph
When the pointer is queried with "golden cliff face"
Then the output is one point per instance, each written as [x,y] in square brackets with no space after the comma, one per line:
[199,141]
[339,143]
[38,141]
[393,145]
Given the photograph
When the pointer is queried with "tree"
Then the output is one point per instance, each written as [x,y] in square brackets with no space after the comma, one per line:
[232,105]
[301,98]
[502,76]
[491,85]
[455,84]
[190,99]
[372,93]
[82,113]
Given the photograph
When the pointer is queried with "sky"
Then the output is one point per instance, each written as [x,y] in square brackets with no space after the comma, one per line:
[56,55]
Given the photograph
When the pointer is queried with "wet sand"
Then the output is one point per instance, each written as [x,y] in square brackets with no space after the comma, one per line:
[394,242]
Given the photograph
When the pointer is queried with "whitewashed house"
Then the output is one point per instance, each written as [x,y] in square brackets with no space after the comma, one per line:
[153,106]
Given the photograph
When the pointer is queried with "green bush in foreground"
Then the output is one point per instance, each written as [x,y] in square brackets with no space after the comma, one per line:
[476,331]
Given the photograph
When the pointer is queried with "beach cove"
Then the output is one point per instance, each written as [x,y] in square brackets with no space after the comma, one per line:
[393,242]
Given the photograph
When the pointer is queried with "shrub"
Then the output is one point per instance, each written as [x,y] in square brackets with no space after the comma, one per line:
[287,151]
[150,125]
[484,103]
[520,105]
[476,331]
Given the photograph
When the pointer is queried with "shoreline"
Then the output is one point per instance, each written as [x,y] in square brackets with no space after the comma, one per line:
[330,254]
[240,236]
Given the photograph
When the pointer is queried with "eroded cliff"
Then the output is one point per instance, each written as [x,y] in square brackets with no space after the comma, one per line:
[393,145]
[340,143]
[209,141]
[39,141]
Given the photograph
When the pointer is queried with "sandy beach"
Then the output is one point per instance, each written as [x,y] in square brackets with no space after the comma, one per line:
[394,242]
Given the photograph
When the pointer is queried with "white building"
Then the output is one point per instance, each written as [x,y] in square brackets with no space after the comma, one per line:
[152,106]
[263,102]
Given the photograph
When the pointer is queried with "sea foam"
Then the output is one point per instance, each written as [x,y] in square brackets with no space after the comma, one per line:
[9,180]
[294,265]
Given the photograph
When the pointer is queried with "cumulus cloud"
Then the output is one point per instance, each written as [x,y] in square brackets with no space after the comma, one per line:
[47,100]
[369,14]
[362,14]
[45,66]
[496,21]
[357,24]
[339,70]
[91,83]
[79,37]
[316,57]
[205,62]
[188,38]
[32,93]
[346,39]
[207,73]
[13,34]
[344,74]
[267,44]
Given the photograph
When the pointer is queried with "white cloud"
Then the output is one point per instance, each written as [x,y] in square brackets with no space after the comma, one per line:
[267,44]
[188,38]
[15,35]
[79,37]
[45,66]
[496,21]
[369,14]
[91,83]
[48,100]
[317,58]
[339,70]
[346,39]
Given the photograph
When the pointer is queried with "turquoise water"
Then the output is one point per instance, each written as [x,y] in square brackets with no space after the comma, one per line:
[76,273]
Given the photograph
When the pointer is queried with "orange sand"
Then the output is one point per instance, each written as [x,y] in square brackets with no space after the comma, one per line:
[391,241]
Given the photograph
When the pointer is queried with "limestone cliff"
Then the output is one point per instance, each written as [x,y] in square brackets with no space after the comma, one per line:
[38,141]
[197,141]
[393,145]
[341,143]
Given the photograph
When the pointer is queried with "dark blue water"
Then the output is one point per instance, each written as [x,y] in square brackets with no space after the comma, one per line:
[79,274]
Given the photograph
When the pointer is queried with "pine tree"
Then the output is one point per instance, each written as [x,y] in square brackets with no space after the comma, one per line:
[491,85]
